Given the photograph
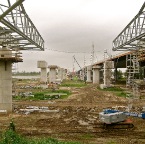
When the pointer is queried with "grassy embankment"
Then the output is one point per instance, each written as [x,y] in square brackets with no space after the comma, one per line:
[73,83]
[116,90]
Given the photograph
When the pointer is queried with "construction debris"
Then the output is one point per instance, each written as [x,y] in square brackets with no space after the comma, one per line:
[3,111]
[32,109]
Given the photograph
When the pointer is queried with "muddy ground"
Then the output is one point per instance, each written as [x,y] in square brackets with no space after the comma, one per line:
[76,118]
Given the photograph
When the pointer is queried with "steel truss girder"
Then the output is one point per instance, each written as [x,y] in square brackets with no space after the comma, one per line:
[131,35]
[17,29]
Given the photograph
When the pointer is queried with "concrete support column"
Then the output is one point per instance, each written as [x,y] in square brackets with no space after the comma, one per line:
[108,65]
[6,60]
[52,73]
[6,85]
[82,74]
[43,75]
[60,73]
[89,70]
[96,74]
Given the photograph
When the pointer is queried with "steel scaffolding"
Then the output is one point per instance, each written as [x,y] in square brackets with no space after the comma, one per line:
[132,38]
[132,66]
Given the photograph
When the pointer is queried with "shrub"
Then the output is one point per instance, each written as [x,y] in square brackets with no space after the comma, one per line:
[11,137]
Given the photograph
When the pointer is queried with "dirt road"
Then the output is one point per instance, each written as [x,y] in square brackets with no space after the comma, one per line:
[76,118]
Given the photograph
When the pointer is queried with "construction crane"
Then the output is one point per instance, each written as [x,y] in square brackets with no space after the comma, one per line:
[81,72]
[17,31]
[77,62]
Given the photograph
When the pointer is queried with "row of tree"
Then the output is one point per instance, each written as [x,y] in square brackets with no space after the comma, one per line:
[23,73]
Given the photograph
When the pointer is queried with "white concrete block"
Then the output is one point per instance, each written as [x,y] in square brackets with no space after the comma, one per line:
[3,111]
[42,64]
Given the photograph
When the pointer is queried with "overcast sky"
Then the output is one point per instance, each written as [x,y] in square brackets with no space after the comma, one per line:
[72,26]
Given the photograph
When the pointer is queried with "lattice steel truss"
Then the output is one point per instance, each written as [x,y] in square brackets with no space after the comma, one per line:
[17,31]
[133,35]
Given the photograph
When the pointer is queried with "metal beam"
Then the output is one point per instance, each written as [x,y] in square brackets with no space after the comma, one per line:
[18,22]
[132,33]
[19,32]
[11,8]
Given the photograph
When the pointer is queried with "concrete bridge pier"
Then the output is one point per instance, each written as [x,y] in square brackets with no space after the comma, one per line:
[52,73]
[43,75]
[108,65]
[82,74]
[96,74]
[6,60]
[89,73]
[60,73]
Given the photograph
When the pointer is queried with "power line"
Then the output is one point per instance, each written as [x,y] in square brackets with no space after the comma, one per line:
[69,51]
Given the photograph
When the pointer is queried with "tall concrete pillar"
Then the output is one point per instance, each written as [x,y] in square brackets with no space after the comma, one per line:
[96,74]
[89,73]
[108,65]
[83,73]
[6,60]
[52,73]
[43,75]
[60,73]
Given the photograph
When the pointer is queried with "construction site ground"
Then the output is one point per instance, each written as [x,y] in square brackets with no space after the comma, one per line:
[76,118]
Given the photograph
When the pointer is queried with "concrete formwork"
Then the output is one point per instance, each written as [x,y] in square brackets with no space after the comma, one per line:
[6,60]
[43,75]
[52,73]
[96,74]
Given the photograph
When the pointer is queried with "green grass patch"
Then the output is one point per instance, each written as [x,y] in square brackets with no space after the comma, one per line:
[112,89]
[87,136]
[73,83]
[11,137]
[116,90]
[45,95]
